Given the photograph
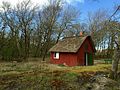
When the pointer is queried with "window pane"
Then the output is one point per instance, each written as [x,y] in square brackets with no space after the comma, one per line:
[56,55]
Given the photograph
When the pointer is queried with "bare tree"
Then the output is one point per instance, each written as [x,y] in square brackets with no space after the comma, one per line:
[116,25]
[68,22]
[52,22]
[25,15]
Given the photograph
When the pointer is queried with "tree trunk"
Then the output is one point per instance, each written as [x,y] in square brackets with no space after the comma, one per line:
[115,63]
[26,45]
[44,55]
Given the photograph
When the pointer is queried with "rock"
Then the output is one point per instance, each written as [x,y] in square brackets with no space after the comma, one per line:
[102,83]
[89,86]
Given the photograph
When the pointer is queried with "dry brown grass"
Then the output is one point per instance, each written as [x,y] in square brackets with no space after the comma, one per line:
[36,74]
[12,68]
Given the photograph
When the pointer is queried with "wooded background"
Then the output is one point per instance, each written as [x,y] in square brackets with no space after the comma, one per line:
[30,31]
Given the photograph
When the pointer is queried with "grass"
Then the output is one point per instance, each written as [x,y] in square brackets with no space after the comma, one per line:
[11,68]
[94,68]
[34,75]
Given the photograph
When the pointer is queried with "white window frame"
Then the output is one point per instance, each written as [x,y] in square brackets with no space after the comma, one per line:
[56,55]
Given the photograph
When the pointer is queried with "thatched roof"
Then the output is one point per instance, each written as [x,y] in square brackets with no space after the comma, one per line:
[68,44]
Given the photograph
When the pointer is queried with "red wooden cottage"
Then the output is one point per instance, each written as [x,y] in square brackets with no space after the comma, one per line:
[73,51]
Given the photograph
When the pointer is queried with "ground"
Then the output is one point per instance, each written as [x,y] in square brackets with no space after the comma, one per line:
[36,75]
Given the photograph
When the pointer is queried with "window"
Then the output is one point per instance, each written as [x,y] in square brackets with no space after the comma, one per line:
[56,55]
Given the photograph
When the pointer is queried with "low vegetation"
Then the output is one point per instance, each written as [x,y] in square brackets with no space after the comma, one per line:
[42,76]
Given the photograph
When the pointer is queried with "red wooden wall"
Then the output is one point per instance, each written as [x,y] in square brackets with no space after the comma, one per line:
[69,59]
[81,52]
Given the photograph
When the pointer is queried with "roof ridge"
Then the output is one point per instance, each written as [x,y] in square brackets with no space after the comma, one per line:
[73,37]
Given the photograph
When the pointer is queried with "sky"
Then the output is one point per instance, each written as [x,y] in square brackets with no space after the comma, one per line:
[84,6]
[90,6]
[40,2]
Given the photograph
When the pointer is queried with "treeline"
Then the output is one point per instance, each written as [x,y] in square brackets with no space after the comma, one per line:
[30,31]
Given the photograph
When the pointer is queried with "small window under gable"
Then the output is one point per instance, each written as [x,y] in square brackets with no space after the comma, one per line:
[56,55]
